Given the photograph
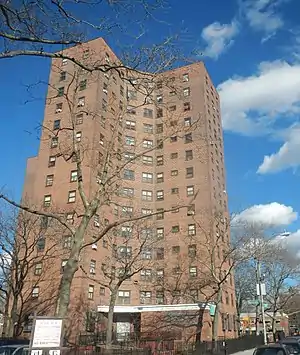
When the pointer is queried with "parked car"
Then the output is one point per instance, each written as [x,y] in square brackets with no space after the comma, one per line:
[292,343]
[272,349]
[16,349]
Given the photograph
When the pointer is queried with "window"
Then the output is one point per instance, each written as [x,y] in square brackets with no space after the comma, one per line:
[49,180]
[146,274]
[44,222]
[146,254]
[175,229]
[128,156]
[93,267]
[148,128]
[147,143]
[145,297]
[173,139]
[160,160]
[72,196]
[175,249]
[148,113]
[60,91]
[127,211]
[62,76]
[86,53]
[131,110]
[186,92]
[51,161]
[159,113]
[191,229]
[159,195]
[56,125]
[186,106]
[160,233]
[159,85]
[47,200]
[130,125]
[160,274]
[104,105]
[147,160]
[159,128]
[160,214]
[59,107]
[64,61]
[78,136]
[81,101]
[146,233]
[194,294]
[192,250]
[187,122]
[172,108]
[175,209]
[102,291]
[146,211]
[128,174]
[122,90]
[82,85]
[70,218]
[35,292]
[159,98]
[190,190]
[191,210]
[123,297]
[174,155]
[160,253]
[67,241]
[188,155]
[73,175]
[159,177]
[38,269]
[79,118]
[125,252]
[91,292]
[185,77]
[127,192]
[132,95]
[129,140]
[188,138]
[193,271]
[160,144]
[189,172]
[159,297]
[174,172]
[174,190]
[40,245]
[147,195]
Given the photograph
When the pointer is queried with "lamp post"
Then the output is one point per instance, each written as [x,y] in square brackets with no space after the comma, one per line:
[260,292]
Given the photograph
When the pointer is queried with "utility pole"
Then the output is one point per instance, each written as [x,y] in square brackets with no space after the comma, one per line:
[261,299]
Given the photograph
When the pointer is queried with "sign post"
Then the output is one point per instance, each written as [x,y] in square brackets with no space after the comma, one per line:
[46,338]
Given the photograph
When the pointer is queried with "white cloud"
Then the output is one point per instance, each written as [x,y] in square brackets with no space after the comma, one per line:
[273,214]
[255,102]
[262,16]
[290,241]
[287,156]
[218,38]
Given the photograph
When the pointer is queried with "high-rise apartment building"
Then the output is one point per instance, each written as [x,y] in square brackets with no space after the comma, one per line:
[160,138]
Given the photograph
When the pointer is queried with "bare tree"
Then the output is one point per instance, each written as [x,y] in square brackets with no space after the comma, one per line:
[131,251]
[25,263]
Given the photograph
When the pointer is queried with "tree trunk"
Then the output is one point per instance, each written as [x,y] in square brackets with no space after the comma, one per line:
[273,326]
[12,319]
[110,317]
[215,323]
[199,325]
[6,315]
[70,269]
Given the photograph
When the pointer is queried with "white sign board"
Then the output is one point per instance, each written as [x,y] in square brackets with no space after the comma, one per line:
[263,289]
[47,333]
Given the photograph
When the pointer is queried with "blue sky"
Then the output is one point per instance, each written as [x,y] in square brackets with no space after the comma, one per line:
[252,52]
